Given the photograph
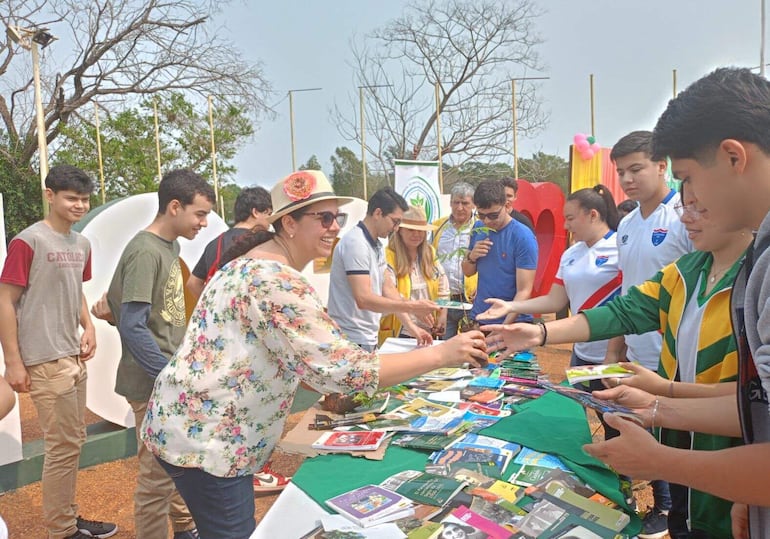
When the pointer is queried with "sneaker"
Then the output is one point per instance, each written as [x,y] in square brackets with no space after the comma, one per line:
[187,534]
[268,480]
[654,524]
[94,528]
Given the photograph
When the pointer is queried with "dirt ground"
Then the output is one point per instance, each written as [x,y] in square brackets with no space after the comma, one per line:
[105,491]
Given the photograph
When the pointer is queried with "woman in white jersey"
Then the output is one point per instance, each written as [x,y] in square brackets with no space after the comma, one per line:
[588,273]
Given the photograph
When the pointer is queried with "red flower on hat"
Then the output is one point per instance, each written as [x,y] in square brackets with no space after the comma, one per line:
[299,186]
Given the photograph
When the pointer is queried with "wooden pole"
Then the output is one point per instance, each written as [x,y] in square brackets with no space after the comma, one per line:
[42,143]
[593,116]
[363,138]
[291,127]
[762,40]
[157,138]
[438,139]
[99,152]
[674,81]
[218,201]
[514,115]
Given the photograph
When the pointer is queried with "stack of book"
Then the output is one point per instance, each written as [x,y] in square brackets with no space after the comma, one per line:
[371,505]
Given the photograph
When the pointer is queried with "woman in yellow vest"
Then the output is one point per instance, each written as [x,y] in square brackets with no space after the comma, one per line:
[412,265]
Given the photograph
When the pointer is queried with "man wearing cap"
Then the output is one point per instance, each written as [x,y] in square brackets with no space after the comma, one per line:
[358,291]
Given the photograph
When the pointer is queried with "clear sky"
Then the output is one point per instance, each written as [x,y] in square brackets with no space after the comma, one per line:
[631,47]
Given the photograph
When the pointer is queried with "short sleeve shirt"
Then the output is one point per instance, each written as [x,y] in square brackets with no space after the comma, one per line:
[591,278]
[357,253]
[454,241]
[645,246]
[209,256]
[513,247]
[148,272]
[257,331]
[51,267]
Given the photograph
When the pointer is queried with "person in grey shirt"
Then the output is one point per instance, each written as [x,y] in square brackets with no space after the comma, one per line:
[358,292]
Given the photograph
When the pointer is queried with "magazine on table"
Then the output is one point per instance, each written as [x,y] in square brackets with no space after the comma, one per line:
[424,488]
[586,373]
[359,440]
[371,505]
[589,401]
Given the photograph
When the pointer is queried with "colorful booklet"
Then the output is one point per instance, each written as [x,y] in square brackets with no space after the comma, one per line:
[448,425]
[425,488]
[420,406]
[371,505]
[529,474]
[536,458]
[428,442]
[473,524]
[589,401]
[350,440]
[449,304]
[478,441]
[492,456]
[587,373]
[377,406]
[558,493]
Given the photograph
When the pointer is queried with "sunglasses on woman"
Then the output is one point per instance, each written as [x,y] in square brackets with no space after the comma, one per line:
[327,218]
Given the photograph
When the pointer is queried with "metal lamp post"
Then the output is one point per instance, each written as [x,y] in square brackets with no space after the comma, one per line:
[29,39]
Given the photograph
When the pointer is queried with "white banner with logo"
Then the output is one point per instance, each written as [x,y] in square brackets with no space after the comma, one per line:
[417,182]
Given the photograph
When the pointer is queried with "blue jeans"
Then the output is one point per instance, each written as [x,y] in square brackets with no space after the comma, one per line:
[222,507]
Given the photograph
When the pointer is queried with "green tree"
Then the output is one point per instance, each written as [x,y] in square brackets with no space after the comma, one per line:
[544,167]
[128,144]
[312,164]
[347,175]
[115,50]
[228,193]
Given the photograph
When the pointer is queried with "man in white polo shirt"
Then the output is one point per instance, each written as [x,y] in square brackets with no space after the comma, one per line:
[358,292]
[649,238]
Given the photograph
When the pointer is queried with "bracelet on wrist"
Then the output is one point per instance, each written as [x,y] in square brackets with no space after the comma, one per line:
[654,412]
[671,390]
[468,258]
[543,333]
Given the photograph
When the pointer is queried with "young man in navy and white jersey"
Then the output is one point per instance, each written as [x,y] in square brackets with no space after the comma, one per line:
[649,238]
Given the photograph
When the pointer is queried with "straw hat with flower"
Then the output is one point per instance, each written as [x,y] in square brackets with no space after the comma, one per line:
[300,189]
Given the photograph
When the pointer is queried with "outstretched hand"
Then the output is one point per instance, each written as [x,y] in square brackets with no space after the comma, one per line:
[498,309]
[633,453]
[514,337]
[466,349]
[641,402]
[642,378]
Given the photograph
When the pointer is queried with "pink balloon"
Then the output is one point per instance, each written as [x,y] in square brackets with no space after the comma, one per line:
[596,147]
[577,138]
[587,155]
[582,145]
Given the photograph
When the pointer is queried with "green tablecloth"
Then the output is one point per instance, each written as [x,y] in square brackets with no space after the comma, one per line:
[551,423]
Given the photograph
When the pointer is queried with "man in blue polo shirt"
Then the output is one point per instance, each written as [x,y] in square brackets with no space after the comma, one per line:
[502,251]
[358,292]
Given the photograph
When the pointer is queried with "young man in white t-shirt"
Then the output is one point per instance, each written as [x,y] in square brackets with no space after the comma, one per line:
[649,238]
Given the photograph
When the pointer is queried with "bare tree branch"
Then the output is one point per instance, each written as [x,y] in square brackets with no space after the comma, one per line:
[472,49]
[126,48]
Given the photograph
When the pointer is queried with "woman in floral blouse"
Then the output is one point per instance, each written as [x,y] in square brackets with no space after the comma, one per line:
[218,408]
